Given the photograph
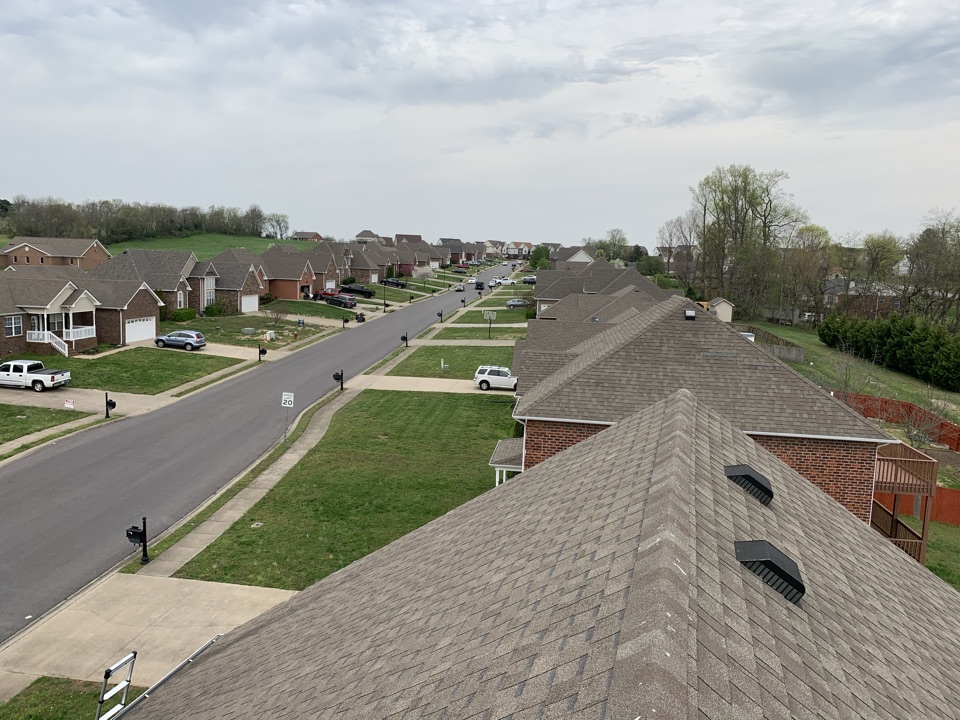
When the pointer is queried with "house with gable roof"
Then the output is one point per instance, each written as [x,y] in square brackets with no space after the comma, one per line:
[307,236]
[642,573]
[63,309]
[166,272]
[82,253]
[597,278]
[675,345]
[286,275]
[570,258]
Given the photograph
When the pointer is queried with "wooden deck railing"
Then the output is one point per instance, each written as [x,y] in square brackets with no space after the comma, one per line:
[902,470]
[898,533]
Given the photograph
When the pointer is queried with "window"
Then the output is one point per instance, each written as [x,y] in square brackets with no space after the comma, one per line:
[72,261]
[14,326]
[35,323]
[41,259]
[26,259]
[55,321]
[15,258]
[179,299]
[210,294]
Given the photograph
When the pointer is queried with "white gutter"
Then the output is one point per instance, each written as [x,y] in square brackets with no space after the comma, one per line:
[878,441]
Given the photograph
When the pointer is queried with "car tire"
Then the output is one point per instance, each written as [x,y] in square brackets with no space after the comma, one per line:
[188,347]
[484,385]
[160,343]
[37,385]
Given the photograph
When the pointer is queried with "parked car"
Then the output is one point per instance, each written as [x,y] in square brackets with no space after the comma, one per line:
[463,266]
[393,282]
[31,374]
[458,288]
[516,303]
[530,280]
[186,339]
[493,283]
[494,376]
[507,281]
[479,285]
[344,301]
[356,289]
[460,271]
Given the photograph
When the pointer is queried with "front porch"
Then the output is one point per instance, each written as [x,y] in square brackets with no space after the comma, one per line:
[903,471]
[507,459]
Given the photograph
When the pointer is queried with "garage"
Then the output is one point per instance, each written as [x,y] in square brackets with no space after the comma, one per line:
[140,329]
[249,303]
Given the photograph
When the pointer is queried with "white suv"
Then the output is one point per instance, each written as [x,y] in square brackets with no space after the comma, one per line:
[494,376]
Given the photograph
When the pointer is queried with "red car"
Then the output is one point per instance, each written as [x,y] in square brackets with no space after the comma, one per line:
[464,266]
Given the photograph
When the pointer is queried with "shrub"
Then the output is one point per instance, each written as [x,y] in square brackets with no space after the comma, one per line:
[389,273]
[266,299]
[183,314]
[348,280]
[213,310]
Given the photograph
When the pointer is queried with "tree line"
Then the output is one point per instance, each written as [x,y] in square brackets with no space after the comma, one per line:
[745,239]
[113,221]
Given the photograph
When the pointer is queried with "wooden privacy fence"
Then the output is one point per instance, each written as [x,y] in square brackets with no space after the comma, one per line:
[946,508]
[900,412]
[776,346]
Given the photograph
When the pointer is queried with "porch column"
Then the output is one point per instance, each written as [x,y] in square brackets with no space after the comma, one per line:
[927,507]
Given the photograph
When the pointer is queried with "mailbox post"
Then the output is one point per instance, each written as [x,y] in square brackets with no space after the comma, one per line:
[109,404]
[338,377]
[138,536]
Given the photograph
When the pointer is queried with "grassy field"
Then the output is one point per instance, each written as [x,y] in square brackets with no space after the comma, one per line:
[207,245]
[229,329]
[835,370]
[475,317]
[361,487]
[143,370]
[309,308]
[49,698]
[16,421]
[475,333]
[463,361]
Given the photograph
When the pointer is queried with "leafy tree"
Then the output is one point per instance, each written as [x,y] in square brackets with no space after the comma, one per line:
[277,225]
[650,265]
[540,257]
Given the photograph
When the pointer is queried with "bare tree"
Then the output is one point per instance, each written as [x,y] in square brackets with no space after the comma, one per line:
[920,420]
[277,312]
[277,225]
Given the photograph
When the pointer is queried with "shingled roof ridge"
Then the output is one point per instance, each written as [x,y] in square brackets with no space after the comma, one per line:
[653,631]
[594,350]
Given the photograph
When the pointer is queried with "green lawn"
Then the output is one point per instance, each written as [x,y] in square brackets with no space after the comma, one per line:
[495,301]
[49,698]
[309,308]
[833,369]
[475,333]
[394,295]
[943,549]
[463,361]
[143,370]
[16,421]
[385,467]
[229,329]
[207,245]
[475,317]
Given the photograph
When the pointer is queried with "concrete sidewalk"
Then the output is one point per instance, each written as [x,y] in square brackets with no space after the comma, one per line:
[164,618]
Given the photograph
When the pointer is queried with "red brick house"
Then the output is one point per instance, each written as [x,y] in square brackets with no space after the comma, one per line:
[675,345]
[82,253]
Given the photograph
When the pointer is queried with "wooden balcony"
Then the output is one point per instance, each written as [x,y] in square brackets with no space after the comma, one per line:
[903,470]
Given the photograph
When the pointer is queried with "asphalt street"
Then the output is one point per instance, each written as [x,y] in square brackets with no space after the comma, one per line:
[64,508]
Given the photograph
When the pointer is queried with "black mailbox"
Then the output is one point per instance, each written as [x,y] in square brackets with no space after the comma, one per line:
[111,404]
[337,376]
[135,535]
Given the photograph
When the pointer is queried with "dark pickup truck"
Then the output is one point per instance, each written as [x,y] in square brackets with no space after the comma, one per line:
[355,289]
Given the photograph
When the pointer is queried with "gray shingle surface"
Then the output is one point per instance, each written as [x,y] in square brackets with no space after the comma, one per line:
[160,269]
[603,583]
[55,247]
[645,358]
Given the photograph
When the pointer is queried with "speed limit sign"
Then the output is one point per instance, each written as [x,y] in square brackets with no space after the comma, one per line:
[286,400]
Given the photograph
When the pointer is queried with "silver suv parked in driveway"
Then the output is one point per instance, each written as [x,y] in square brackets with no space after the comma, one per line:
[187,339]
[494,376]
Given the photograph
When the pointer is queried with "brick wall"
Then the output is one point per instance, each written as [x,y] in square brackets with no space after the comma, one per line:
[228,300]
[544,439]
[13,346]
[844,470]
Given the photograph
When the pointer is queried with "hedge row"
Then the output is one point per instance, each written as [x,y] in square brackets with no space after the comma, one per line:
[906,344]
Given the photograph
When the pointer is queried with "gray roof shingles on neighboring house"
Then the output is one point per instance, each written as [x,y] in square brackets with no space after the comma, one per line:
[280,265]
[232,275]
[643,359]
[25,282]
[55,247]
[160,269]
[603,583]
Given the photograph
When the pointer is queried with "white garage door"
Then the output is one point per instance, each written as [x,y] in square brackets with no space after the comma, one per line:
[249,303]
[141,329]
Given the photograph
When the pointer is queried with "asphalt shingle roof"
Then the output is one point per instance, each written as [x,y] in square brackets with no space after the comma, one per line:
[603,583]
[55,247]
[645,358]
[160,269]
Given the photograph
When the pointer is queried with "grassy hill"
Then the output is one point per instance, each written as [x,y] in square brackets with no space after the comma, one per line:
[205,246]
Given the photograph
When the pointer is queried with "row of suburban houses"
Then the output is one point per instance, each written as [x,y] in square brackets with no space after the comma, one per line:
[685,529]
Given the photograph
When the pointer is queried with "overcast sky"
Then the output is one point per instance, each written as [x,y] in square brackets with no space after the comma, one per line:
[539,121]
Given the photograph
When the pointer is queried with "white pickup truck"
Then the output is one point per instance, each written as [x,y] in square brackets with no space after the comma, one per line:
[32,374]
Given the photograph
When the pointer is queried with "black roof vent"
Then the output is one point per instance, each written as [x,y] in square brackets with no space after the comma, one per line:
[750,480]
[772,566]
